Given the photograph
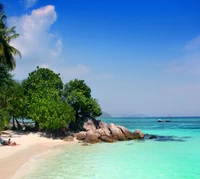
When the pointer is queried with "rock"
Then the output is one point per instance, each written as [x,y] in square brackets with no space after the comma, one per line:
[116,132]
[153,137]
[69,138]
[168,120]
[85,144]
[128,134]
[95,131]
[89,125]
[106,138]
[99,132]
[92,137]
[104,127]
[138,134]
[159,120]
[81,135]
[69,133]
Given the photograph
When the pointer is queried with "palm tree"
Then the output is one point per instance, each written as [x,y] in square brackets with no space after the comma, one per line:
[7,52]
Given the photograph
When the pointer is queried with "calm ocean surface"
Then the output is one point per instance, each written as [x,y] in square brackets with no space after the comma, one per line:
[175,154]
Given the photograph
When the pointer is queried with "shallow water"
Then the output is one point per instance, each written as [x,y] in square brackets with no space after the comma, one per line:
[174,154]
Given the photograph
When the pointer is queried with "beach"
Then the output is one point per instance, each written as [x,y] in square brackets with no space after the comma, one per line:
[173,154]
[28,145]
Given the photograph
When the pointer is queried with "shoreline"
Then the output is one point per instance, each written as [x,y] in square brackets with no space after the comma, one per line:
[13,158]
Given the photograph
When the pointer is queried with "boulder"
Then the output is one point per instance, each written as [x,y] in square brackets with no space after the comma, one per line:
[89,125]
[106,138]
[81,135]
[104,127]
[116,132]
[138,134]
[99,132]
[68,138]
[69,133]
[92,137]
[159,120]
[153,137]
[167,120]
[128,134]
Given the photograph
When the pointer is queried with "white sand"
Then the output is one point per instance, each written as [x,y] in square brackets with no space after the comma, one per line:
[30,144]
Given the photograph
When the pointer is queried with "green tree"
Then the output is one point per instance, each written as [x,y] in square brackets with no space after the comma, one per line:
[43,104]
[17,104]
[78,95]
[7,89]
[7,52]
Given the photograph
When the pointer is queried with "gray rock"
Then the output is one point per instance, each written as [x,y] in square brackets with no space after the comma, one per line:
[116,132]
[153,137]
[92,137]
[81,135]
[138,134]
[106,138]
[105,128]
[128,134]
[89,125]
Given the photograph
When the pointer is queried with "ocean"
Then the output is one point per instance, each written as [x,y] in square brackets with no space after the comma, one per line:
[174,154]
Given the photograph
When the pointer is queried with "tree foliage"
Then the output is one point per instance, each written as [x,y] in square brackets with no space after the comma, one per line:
[7,52]
[7,89]
[42,99]
[78,95]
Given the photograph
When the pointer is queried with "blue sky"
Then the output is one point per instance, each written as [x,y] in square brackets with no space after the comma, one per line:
[138,57]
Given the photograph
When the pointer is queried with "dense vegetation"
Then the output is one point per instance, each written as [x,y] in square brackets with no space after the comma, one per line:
[42,97]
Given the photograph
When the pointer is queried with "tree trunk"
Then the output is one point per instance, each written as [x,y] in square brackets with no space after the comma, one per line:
[37,127]
[26,127]
[18,125]
[13,121]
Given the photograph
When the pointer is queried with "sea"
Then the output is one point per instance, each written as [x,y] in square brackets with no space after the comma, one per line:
[174,154]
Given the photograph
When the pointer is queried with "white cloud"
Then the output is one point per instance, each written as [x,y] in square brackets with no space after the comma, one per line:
[81,72]
[36,43]
[30,3]
[58,50]
[193,44]
[189,62]
[40,47]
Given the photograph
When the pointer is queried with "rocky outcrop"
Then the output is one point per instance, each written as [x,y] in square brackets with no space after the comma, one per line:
[89,125]
[81,135]
[138,134]
[129,135]
[116,132]
[153,137]
[92,137]
[95,131]
[104,127]
[106,138]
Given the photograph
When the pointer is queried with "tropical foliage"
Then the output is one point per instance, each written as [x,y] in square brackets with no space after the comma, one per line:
[7,52]
[78,95]
[7,89]
[42,100]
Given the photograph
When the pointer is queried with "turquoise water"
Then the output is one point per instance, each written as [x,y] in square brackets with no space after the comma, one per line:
[175,154]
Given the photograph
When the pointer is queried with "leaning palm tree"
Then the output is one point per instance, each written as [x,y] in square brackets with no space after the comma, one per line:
[7,52]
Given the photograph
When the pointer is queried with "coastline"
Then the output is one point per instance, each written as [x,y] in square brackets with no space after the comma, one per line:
[12,158]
